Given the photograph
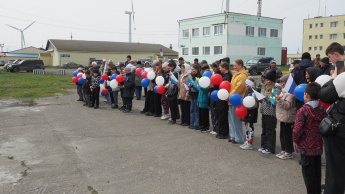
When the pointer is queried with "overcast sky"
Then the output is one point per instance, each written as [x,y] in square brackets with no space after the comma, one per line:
[155,20]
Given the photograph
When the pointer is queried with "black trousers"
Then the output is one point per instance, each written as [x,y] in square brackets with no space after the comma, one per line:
[214,117]
[335,162]
[173,107]
[223,120]
[148,101]
[87,97]
[128,103]
[286,137]
[95,96]
[185,111]
[204,118]
[145,92]
[80,92]
[311,171]
[157,104]
[268,135]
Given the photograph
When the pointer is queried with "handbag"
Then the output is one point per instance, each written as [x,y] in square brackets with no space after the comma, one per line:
[329,125]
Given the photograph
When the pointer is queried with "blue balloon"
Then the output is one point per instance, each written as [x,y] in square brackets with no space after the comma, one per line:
[141,72]
[145,82]
[236,99]
[103,94]
[75,74]
[207,74]
[155,89]
[81,80]
[114,76]
[214,96]
[101,81]
[299,92]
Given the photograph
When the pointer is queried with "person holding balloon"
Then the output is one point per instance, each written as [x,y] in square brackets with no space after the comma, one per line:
[128,89]
[203,103]
[164,99]
[183,94]
[86,89]
[80,85]
[194,92]
[213,90]
[114,91]
[123,74]
[95,88]
[157,96]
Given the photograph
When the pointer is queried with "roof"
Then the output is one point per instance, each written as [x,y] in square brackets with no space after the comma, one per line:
[228,13]
[21,55]
[29,49]
[105,46]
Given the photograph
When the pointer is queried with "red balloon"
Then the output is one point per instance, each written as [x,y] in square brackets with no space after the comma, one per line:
[79,75]
[216,79]
[138,70]
[160,89]
[144,75]
[119,78]
[241,111]
[105,91]
[325,105]
[75,79]
[104,77]
[225,85]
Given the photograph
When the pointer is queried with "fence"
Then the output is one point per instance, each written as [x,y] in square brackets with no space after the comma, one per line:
[61,72]
[38,72]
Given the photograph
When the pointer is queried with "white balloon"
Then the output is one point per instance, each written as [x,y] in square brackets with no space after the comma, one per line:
[159,80]
[151,75]
[223,94]
[204,82]
[249,101]
[148,69]
[113,84]
[101,87]
[80,74]
[322,79]
[84,76]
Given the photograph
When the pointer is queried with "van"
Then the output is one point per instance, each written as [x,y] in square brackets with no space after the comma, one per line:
[258,64]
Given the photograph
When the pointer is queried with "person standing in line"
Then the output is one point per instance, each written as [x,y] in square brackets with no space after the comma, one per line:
[95,88]
[164,99]
[214,115]
[194,110]
[80,86]
[157,96]
[128,89]
[138,78]
[325,66]
[183,94]
[86,89]
[128,60]
[316,61]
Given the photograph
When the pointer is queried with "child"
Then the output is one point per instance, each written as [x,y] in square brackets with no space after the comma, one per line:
[286,115]
[203,99]
[86,89]
[194,110]
[164,99]
[268,111]
[251,117]
[128,89]
[122,72]
[308,138]
[80,86]
[172,92]
[183,94]
[95,88]
[115,91]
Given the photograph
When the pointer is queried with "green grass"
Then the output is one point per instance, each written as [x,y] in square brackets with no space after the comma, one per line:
[28,86]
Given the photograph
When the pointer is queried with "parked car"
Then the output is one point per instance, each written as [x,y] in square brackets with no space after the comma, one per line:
[71,65]
[26,65]
[99,62]
[10,62]
[258,64]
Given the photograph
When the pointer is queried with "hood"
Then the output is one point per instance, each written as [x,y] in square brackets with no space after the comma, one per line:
[317,113]
[187,69]
[313,73]
[243,71]
[305,63]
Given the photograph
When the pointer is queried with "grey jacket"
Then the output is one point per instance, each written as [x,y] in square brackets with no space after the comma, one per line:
[286,108]
[267,108]
[138,78]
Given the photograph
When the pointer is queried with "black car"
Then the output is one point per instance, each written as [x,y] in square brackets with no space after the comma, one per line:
[257,64]
[26,65]
[71,65]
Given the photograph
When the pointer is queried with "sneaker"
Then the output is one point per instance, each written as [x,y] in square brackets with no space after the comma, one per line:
[208,130]
[243,145]
[261,149]
[280,154]
[213,133]
[148,114]
[165,117]
[266,151]
[248,146]
[286,156]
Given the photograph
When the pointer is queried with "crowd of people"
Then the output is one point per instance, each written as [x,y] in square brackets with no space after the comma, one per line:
[185,101]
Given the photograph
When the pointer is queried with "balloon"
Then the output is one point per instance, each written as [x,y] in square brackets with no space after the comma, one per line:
[160,89]
[207,74]
[204,82]
[105,91]
[114,76]
[241,111]
[75,79]
[155,89]
[159,80]
[299,92]
[145,82]
[214,95]
[80,80]
[235,99]
[148,69]
[144,75]
[325,105]
[151,75]
[119,78]
[322,79]
[84,76]
[216,79]
[102,94]
[225,85]
[138,70]
[101,81]
[101,87]
[223,94]
[249,101]
[104,77]
[75,74]
[114,84]
[79,75]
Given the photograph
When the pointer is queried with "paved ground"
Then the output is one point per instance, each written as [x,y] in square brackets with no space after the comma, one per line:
[65,148]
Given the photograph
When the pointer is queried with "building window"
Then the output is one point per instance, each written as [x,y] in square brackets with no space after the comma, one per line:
[249,31]
[218,50]
[333,36]
[309,48]
[274,33]
[206,31]
[320,48]
[185,33]
[310,25]
[261,51]
[218,29]
[344,23]
[206,50]
[321,36]
[195,51]
[195,32]
[321,25]
[315,37]
[310,37]
[315,48]
[344,35]
[185,51]
[262,32]
[334,24]
[316,25]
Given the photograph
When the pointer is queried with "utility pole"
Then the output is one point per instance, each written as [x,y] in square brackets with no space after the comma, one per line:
[227,5]
[2,46]
[71,36]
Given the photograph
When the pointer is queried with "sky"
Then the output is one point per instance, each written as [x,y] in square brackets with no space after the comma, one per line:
[156,21]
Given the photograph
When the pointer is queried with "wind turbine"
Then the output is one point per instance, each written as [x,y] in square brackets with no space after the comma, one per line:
[130,22]
[22,33]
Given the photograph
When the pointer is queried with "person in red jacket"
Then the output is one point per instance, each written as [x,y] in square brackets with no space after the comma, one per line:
[308,137]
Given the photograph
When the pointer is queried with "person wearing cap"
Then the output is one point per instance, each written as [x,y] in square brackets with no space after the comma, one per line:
[295,64]
[86,89]
[286,114]
[128,90]
[95,88]
[204,67]
[316,61]
[128,60]
[273,66]
[325,66]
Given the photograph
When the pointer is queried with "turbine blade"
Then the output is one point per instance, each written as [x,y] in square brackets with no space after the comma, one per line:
[23,40]
[29,25]
[133,14]
[12,27]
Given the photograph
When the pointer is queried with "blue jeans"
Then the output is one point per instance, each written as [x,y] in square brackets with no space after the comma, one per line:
[235,126]
[138,90]
[194,113]
[108,98]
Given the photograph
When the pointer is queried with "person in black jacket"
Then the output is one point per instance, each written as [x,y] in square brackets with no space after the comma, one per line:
[325,67]
[128,90]
[95,88]
[86,89]
[80,86]
[299,72]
